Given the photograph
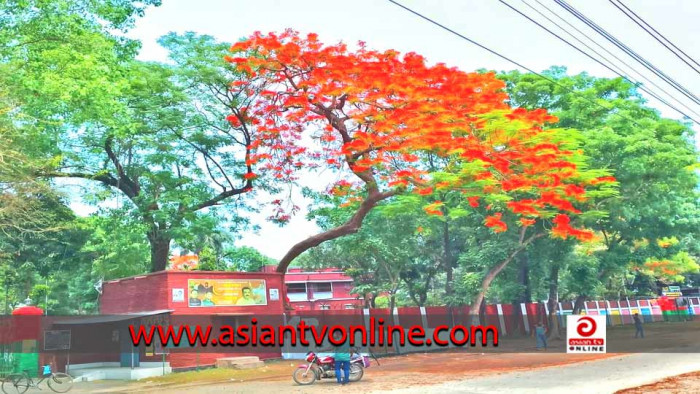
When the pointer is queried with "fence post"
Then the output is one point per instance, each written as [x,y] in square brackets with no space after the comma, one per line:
[395,314]
[526,323]
[501,320]
[619,310]
[608,313]
[423,318]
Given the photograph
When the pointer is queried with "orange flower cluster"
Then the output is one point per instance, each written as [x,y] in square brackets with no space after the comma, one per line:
[496,223]
[563,229]
[661,266]
[376,113]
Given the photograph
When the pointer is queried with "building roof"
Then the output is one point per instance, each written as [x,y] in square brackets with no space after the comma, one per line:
[110,318]
[317,277]
[213,274]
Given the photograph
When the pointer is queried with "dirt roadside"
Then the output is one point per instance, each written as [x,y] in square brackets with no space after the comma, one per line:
[681,384]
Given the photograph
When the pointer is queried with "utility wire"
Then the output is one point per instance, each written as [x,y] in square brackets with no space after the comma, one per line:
[627,50]
[642,76]
[593,41]
[511,61]
[641,87]
[644,25]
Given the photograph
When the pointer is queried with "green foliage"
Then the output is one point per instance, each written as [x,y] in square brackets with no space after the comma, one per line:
[152,137]
[116,245]
[381,302]
[246,259]
[651,157]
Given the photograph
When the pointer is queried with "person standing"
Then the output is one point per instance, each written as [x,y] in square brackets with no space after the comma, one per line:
[638,326]
[342,358]
[541,336]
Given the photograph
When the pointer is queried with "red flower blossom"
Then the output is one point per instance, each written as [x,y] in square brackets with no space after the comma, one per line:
[494,222]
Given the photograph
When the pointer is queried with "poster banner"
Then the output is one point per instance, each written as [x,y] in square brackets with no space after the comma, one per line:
[226,292]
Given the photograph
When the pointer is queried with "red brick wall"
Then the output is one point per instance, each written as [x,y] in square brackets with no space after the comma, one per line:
[154,292]
[135,294]
[342,290]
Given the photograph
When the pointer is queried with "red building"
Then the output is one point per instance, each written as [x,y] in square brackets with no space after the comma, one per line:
[191,298]
[324,289]
[175,298]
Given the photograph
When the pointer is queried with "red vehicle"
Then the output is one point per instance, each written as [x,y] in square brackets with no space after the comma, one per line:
[324,368]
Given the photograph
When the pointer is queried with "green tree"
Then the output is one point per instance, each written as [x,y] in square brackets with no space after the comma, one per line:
[653,159]
[167,147]
[245,259]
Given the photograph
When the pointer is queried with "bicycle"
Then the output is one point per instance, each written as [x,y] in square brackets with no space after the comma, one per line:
[18,383]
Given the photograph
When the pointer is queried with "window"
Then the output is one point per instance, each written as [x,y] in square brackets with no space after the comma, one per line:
[321,291]
[349,306]
[296,287]
[324,307]
[321,287]
[296,291]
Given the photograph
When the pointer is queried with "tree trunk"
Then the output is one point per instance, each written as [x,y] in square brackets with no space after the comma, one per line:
[160,251]
[524,277]
[474,309]
[578,305]
[516,318]
[482,311]
[553,303]
[525,294]
[447,258]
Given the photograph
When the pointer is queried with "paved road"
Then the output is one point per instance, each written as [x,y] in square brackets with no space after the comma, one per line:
[604,376]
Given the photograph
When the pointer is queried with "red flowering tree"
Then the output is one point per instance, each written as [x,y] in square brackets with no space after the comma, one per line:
[376,117]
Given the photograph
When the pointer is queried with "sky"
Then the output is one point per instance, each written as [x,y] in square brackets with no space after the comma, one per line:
[383,25]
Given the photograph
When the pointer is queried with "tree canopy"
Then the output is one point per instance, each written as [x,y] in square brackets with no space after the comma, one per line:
[374,115]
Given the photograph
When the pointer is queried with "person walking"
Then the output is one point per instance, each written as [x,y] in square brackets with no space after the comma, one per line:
[638,326]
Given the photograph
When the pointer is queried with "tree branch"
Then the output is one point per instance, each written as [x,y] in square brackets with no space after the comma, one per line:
[125,184]
[222,196]
[349,227]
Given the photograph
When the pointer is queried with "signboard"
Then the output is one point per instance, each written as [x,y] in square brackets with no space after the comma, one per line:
[226,292]
[586,334]
[671,291]
[178,295]
[57,340]
[274,294]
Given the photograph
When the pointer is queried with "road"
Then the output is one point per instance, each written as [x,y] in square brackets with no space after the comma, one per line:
[601,376]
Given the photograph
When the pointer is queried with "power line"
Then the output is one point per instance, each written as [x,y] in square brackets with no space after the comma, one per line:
[509,60]
[646,28]
[585,35]
[603,64]
[598,45]
[627,50]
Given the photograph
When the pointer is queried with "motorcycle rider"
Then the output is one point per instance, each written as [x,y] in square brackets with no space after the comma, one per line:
[341,354]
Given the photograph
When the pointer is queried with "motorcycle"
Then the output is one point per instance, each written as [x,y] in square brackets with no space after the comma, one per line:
[324,368]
